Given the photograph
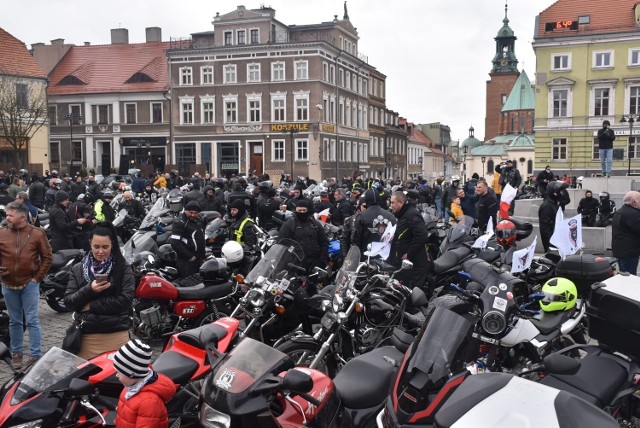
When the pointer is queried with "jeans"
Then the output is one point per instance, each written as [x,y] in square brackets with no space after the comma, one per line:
[628,264]
[439,207]
[25,302]
[606,157]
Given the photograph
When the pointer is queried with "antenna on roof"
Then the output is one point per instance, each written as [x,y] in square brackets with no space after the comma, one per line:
[506,8]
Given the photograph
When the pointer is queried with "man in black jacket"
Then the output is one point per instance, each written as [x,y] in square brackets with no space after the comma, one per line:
[195,194]
[267,208]
[309,233]
[509,174]
[211,202]
[93,189]
[238,192]
[187,240]
[62,230]
[450,193]
[487,205]
[605,146]
[77,188]
[548,210]
[544,177]
[625,238]
[409,241]
[588,207]
[342,209]
[373,221]
[36,192]
[5,197]
[133,206]
[242,229]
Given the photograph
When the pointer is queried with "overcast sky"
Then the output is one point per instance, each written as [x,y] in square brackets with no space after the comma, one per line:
[436,54]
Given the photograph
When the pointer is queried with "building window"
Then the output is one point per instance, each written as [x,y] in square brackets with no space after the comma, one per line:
[185,153]
[54,152]
[302,70]
[596,149]
[633,148]
[255,110]
[348,80]
[186,108]
[228,38]
[22,96]
[130,109]
[601,100]
[634,100]
[302,107]
[529,167]
[53,115]
[156,112]
[278,107]
[230,73]
[634,56]
[231,111]
[241,37]
[560,62]
[186,77]
[277,71]
[560,102]
[332,74]
[302,150]
[559,148]
[253,72]
[325,71]
[208,110]
[74,110]
[255,36]
[603,59]
[207,75]
[103,114]
[277,151]
[76,152]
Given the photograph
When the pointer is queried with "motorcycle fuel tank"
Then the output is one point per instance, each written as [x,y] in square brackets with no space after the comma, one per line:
[189,308]
[154,287]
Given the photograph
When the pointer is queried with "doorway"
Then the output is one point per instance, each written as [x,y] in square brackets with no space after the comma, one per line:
[255,158]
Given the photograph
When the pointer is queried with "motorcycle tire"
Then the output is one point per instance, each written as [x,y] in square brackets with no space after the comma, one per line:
[57,304]
[209,316]
[296,349]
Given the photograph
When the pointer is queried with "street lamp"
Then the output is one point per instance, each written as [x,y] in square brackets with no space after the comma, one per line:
[483,159]
[630,118]
[420,158]
[388,151]
[71,117]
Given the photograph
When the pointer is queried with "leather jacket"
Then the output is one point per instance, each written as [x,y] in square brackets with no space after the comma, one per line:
[26,254]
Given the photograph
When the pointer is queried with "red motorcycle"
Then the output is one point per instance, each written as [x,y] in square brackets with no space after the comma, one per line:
[162,308]
[63,390]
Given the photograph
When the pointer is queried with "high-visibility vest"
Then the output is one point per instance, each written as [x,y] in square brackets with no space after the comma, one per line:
[238,232]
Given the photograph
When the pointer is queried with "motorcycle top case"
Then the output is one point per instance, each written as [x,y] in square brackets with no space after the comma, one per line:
[523,227]
[613,311]
[584,270]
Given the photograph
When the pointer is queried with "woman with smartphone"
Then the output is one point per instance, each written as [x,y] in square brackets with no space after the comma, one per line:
[100,291]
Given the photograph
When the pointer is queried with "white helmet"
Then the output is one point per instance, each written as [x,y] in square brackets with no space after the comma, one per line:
[232,251]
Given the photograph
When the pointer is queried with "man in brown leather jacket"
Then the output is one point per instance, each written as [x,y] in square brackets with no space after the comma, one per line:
[25,259]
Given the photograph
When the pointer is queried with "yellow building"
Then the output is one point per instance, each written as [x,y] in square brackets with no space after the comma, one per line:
[587,71]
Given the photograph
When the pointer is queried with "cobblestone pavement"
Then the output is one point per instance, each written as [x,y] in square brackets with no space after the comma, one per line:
[54,326]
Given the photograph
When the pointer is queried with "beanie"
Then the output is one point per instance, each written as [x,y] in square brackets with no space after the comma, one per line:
[239,205]
[303,203]
[370,198]
[133,358]
[193,206]
[61,196]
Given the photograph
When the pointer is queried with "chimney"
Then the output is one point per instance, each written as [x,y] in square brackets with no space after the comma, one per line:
[57,42]
[34,45]
[119,36]
[154,34]
[87,43]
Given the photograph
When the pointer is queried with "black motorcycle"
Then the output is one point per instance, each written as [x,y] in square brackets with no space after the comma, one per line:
[54,285]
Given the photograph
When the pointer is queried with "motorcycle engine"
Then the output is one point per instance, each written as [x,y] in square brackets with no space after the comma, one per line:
[367,336]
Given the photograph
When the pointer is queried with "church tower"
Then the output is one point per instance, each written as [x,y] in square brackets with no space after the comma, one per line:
[503,75]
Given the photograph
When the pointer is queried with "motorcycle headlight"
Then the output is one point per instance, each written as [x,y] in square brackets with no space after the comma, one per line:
[494,322]
[33,424]
[337,303]
[256,297]
[211,418]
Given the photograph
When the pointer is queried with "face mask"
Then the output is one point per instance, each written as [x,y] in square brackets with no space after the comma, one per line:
[548,170]
[302,216]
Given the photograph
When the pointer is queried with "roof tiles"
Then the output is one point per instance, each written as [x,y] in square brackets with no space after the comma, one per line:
[15,59]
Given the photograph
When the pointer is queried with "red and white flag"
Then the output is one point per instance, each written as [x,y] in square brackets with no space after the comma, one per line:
[508,195]
[323,215]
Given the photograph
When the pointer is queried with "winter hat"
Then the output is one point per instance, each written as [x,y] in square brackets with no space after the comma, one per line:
[239,205]
[61,196]
[370,198]
[193,206]
[303,203]
[133,359]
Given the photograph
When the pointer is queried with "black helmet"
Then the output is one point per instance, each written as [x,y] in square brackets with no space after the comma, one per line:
[167,254]
[604,196]
[554,190]
[214,271]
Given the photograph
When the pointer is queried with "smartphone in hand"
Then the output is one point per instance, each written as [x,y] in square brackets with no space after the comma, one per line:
[102,277]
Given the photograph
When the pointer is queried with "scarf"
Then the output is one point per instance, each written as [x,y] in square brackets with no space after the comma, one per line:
[91,266]
[136,387]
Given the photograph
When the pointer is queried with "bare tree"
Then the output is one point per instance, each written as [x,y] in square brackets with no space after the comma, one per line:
[23,111]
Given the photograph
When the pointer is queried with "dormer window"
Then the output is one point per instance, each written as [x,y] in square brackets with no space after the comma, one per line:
[70,80]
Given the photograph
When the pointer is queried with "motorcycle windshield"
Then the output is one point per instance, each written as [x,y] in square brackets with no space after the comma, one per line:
[346,274]
[122,214]
[275,261]
[140,241]
[247,363]
[438,343]
[461,229]
[154,213]
[214,226]
[51,369]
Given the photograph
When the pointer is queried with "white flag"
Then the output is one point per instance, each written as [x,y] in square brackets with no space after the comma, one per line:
[522,258]
[481,242]
[567,235]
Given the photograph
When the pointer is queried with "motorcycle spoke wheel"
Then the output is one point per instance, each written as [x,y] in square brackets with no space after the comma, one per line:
[303,353]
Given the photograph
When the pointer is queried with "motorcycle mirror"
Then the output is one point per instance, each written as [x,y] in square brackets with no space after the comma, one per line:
[561,364]
[418,297]
[297,381]
[79,387]
[406,265]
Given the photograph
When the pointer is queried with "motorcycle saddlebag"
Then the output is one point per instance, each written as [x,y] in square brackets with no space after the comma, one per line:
[613,312]
[584,270]
[523,227]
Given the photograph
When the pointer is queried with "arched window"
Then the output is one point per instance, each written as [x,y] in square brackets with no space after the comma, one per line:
[490,167]
[529,167]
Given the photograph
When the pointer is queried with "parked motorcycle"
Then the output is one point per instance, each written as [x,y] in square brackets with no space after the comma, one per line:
[54,285]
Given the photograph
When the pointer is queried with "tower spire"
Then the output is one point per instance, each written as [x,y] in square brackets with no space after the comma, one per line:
[346,14]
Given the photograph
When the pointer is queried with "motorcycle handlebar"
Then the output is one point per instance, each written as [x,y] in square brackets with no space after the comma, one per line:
[309,398]
[296,267]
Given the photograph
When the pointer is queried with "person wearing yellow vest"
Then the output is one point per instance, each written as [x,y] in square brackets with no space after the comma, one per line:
[243,229]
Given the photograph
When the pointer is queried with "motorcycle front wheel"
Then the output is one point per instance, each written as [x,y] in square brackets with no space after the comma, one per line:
[57,304]
[303,353]
[209,316]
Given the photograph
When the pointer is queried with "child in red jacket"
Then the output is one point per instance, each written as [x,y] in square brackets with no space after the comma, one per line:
[142,401]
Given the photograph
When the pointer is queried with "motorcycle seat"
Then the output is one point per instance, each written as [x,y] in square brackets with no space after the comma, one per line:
[200,336]
[364,381]
[177,367]
[550,321]
[62,257]
[598,379]
[200,291]
[450,259]
[489,256]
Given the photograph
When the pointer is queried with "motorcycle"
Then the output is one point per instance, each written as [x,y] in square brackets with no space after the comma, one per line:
[61,389]
[54,285]
[360,313]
